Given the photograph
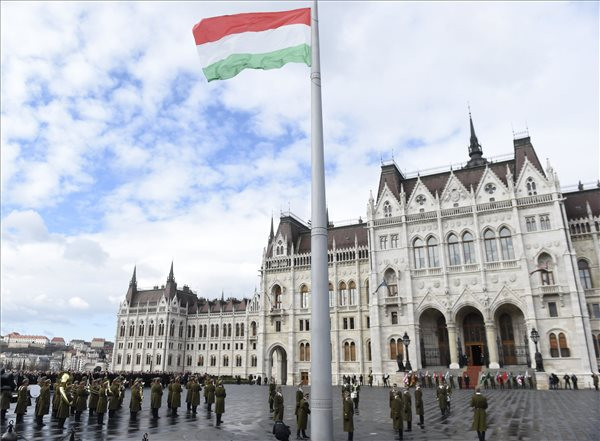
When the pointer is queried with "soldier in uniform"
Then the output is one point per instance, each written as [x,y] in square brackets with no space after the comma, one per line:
[278,405]
[73,391]
[176,396]
[348,416]
[93,398]
[7,386]
[206,383]
[102,403]
[194,395]
[271,395]
[419,405]
[370,378]
[442,397]
[66,400]
[55,397]
[220,395]
[135,403]
[156,392]
[595,380]
[211,394]
[114,401]
[80,394]
[299,397]
[42,403]
[302,417]
[22,397]
[188,396]
[170,394]
[355,395]
[407,402]
[479,405]
[448,396]
[392,395]
[397,413]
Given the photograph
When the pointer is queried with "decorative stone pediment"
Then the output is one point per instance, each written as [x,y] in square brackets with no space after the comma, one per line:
[507,295]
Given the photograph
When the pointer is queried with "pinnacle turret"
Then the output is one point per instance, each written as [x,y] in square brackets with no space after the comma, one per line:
[475,151]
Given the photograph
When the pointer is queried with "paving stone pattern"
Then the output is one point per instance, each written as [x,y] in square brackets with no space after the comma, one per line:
[512,415]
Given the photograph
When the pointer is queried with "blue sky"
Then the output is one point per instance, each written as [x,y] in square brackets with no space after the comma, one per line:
[116,152]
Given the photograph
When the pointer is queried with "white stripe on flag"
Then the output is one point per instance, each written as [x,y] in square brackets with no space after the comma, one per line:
[254,43]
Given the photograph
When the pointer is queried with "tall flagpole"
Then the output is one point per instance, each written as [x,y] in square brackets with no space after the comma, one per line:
[321,403]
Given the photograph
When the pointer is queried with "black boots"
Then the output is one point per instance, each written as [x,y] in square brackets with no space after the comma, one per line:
[155,413]
[3,415]
[133,415]
[100,419]
[350,436]
[400,436]
[39,419]
[421,421]
[218,419]
[194,409]
[304,434]
[61,423]
[409,426]
[19,418]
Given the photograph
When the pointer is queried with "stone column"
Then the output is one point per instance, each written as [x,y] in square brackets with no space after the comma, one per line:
[453,349]
[490,334]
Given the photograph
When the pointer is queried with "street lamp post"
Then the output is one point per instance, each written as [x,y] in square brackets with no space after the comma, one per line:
[539,364]
[406,342]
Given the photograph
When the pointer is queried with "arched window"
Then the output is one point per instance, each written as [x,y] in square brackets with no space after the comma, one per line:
[225,360]
[349,351]
[352,293]
[205,331]
[562,344]
[553,345]
[161,329]
[237,329]
[584,273]
[303,296]
[387,209]
[468,248]
[229,330]
[122,330]
[189,331]
[141,329]
[396,347]
[369,350]
[277,296]
[238,360]
[596,340]
[432,252]
[241,330]
[224,332]
[180,329]
[491,248]
[342,294]
[213,360]
[531,188]
[172,329]
[253,361]
[200,360]
[331,296]
[151,329]
[391,281]
[212,331]
[253,328]
[453,250]
[216,331]
[506,245]
[419,253]
[545,267]
[304,351]
[367,292]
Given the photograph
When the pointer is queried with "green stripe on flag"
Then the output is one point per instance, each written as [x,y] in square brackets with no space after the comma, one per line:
[235,63]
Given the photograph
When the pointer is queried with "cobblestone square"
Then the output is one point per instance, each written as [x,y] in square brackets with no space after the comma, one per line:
[512,415]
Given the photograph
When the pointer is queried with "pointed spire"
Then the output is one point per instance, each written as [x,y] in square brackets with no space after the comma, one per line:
[133,278]
[171,277]
[272,233]
[475,151]
[222,295]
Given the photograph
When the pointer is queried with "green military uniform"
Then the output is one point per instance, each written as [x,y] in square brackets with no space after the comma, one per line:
[102,402]
[194,395]
[188,396]
[302,414]
[220,402]
[93,398]
[348,414]
[271,395]
[442,396]
[170,394]
[81,398]
[397,413]
[407,402]
[156,392]
[22,400]
[278,407]
[64,406]
[206,383]
[55,398]
[210,390]
[391,398]
[135,403]
[42,404]
[479,404]
[299,397]
[114,400]
[175,396]
[419,405]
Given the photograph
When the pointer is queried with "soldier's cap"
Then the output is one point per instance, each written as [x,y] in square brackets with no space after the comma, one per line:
[395,385]
[306,395]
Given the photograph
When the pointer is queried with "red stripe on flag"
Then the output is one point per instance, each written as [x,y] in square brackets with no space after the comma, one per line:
[215,28]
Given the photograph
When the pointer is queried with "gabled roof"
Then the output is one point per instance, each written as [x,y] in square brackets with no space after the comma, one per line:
[576,203]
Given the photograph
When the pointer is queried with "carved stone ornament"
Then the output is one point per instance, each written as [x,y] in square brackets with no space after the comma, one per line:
[474,281]
[456,282]
[436,283]
[512,277]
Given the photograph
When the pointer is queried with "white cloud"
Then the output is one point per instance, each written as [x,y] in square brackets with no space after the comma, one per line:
[78,303]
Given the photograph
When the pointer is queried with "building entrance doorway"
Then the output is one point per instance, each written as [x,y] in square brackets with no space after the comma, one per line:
[474,336]
[278,365]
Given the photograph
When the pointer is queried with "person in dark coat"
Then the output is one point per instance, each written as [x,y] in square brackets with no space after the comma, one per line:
[299,397]
[81,395]
[442,397]
[93,398]
[114,400]
[281,431]
[479,405]
[302,417]
[42,403]
[574,380]
[397,413]
[278,405]
[135,402]
[407,402]
[567,379]
[220,395]
[156,392]
[22,400]
[271,395]
[348,416]
[194,393]
[210,390]
[102,403]
[176,390]
[419,405]
[595,380]
[66,400]
[55,397]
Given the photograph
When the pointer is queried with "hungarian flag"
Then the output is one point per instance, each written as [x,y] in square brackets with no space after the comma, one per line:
[262,40]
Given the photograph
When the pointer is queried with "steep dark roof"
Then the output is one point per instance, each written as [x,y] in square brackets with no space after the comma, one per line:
[575,203]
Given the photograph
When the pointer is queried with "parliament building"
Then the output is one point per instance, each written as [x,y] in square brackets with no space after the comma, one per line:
[465,262]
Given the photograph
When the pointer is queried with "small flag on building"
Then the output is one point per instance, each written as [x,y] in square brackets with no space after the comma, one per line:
[260,40]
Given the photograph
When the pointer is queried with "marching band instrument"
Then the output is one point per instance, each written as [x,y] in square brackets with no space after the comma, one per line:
[34,390]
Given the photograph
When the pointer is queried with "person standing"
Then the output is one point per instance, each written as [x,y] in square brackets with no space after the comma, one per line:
[299,398]
[302,417]
[448,397]
[113,402]
[102,404]
[22,397]
[135,401]
[188,396]
[442,398]
[407,402]
[479,405]
[194,391]
[271,395]
[220,395]
[574,380]
[392,395]
[595,380]
[278,405]
[93,397]
[156,392]
[211,394]
[170,395]
[419,405]
[42,402]
[206,383]
[348,415]
[81,394]
[7,386]
[467,379]
[176,390]
[567,379]
[66,400]
[370,378]
[355,396]
[55,396]
[397,413]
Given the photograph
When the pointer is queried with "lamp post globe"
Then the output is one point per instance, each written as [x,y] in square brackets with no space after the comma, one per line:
[406,341]
[539,363]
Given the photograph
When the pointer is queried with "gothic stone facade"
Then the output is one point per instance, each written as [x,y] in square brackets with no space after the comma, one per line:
[465,263]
